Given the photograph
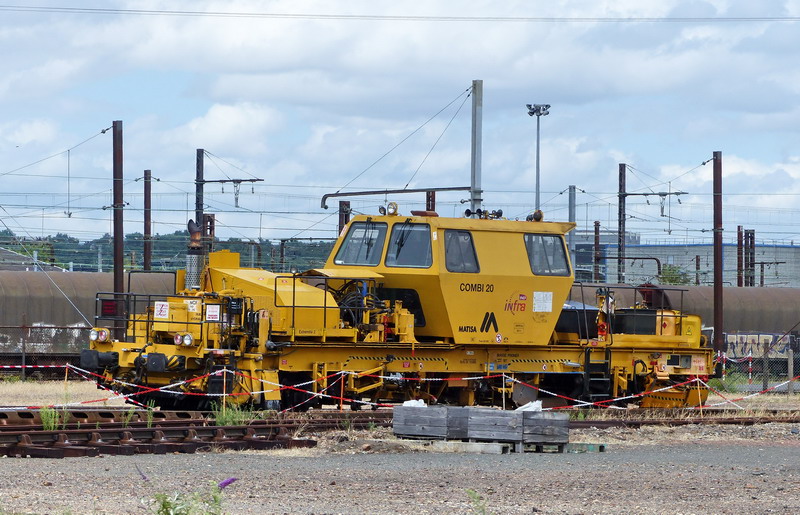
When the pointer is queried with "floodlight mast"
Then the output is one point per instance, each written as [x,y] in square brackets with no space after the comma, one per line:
[538,110]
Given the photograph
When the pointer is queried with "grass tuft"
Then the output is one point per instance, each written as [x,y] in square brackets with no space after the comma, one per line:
[151,405]
[127,416]
[192,503]
[478,503]
[232,415]
[50,418]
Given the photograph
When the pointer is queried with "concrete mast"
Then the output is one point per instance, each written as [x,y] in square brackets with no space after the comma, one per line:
[477,141]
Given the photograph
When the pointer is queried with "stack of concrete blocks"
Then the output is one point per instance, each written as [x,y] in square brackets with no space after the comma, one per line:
[521,428]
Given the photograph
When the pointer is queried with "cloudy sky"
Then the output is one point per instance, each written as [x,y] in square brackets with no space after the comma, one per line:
[309,95]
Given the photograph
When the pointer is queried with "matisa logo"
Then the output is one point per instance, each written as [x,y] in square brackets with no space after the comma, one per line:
[489,322]
[516,303]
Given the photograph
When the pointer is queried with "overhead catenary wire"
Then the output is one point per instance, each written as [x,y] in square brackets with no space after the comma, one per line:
[212,157]
[362,172]
[635,174]
[438,139]
[208,155]
[314,224]
[408,18]
[756,215]
[54,155]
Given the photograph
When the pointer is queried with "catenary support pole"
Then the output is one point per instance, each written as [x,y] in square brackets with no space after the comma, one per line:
[697,270]
[119,232]
[198,186]
[596,268]
[621,224]
[739,256]
[572,218]
[148,242]
[719,342]
[477,142]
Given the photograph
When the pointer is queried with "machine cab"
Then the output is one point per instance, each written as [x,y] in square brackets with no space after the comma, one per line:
[466,280]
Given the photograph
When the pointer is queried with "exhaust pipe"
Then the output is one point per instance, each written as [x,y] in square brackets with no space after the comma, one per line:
[194,256]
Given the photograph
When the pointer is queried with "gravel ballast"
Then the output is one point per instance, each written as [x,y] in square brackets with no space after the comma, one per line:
[694,469]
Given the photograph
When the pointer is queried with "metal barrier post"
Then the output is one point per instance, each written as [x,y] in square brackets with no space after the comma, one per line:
[24,349]
[790,373]
[765,366]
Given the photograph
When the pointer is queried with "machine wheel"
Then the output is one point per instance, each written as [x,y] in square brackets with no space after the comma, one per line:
[296,400]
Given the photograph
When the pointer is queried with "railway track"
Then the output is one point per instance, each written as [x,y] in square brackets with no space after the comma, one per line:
[127,431]
[740,421]
[638,418]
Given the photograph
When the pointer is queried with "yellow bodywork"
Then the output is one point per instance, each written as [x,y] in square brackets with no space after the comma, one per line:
[414,297]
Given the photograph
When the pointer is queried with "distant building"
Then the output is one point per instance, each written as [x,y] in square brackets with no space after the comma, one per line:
[585,249]
[775,264]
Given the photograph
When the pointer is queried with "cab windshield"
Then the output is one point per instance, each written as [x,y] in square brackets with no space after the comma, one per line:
[363,244]
[546,254]
[409,246]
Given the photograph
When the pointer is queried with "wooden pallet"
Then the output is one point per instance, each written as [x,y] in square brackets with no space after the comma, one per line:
[521,428]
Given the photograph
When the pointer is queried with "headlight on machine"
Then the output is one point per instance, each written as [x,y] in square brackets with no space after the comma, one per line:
[99,334]
[184,339]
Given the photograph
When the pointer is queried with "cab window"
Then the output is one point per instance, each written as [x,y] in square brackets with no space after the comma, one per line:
[546,254]
[409,246]
[363,244]
[459,252]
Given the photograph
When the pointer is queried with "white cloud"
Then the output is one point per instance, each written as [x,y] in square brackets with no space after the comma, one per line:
[311,103]
[241,128]
[27,132]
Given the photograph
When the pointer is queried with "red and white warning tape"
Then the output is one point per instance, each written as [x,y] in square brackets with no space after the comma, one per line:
[303,387]
[600,404]
[19,367]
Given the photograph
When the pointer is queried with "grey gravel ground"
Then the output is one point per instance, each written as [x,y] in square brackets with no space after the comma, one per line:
[699,469]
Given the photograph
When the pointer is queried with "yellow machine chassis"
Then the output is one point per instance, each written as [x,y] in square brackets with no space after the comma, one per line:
[464,311]
[434,369]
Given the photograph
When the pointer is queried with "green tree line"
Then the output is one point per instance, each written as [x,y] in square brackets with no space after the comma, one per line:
[168,251]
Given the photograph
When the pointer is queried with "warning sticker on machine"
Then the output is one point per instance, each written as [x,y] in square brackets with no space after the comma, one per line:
[161,309]
[699,364]
[543,301]
[212,312]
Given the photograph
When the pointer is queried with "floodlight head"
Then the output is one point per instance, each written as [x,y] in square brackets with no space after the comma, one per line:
[544,109]
[538,109]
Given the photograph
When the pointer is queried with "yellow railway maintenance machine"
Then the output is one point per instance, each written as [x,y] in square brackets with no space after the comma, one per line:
[416,306]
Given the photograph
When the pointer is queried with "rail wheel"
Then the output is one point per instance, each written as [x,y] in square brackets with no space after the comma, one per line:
[297,398]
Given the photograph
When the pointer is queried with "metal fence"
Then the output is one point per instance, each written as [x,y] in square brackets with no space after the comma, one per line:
[756,362]
[42,339]
[40,351]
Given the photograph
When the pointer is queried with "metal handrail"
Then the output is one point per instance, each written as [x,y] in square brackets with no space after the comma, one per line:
[325,280]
